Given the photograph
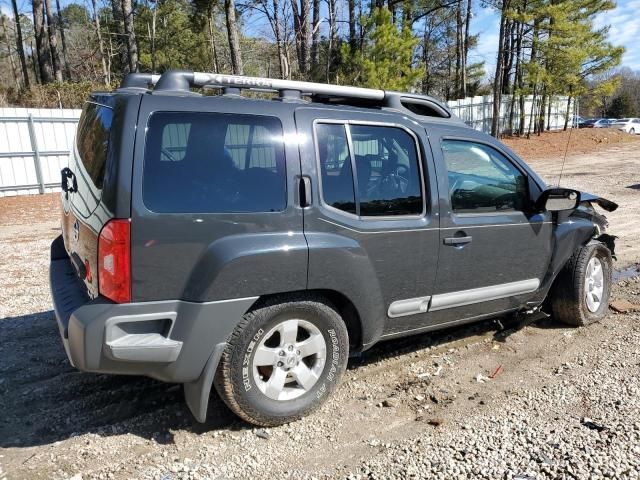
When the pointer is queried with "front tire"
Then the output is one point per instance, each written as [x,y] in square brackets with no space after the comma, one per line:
[283,361]
[580,295]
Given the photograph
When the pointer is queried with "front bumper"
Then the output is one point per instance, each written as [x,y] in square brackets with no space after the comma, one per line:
[168,340]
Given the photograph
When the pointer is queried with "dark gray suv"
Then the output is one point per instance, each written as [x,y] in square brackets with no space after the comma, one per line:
[254,244]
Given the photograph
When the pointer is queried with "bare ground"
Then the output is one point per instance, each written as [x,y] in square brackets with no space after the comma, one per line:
[526,422]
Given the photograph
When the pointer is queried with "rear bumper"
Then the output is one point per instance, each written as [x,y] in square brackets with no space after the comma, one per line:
[169,340]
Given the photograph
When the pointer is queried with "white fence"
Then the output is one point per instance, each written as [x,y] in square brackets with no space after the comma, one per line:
[477,112]
[34,146]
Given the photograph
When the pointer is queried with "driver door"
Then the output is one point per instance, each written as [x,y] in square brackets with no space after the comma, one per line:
[494,253]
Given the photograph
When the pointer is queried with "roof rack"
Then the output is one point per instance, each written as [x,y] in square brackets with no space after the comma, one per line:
[181,81]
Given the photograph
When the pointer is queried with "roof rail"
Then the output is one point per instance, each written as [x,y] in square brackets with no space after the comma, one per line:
[174,81]
[139,80]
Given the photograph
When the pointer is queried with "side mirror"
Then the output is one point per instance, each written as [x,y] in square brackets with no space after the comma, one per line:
[558,200]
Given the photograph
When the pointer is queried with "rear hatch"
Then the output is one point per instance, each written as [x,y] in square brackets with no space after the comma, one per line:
[83,212]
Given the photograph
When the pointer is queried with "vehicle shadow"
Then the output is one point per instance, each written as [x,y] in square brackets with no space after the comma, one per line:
[43,399]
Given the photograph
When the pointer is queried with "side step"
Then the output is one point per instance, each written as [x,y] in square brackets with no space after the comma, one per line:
[144,347]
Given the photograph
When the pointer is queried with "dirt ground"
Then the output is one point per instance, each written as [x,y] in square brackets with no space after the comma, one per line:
[550,402]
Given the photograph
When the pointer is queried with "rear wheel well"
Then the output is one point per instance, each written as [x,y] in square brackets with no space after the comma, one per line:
[342,304]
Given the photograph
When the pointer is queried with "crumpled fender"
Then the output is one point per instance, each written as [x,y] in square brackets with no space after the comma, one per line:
[603,203]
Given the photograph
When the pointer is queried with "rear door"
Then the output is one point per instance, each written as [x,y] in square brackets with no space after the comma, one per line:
[494,252]
[371,227]
[214,215]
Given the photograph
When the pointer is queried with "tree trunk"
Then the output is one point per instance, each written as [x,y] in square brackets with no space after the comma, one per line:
[20,46]
[497,81]
[65,55]
[121,42]
[14,69]
[459,49]
[234,38]
[333,36]
[212,39]
[53,41]
[106,77]
[353,42]
[282,59]
[42,44]
[129,30]
[315,35]
[301,19]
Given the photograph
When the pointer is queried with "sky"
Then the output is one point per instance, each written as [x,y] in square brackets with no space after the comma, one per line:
[623,23]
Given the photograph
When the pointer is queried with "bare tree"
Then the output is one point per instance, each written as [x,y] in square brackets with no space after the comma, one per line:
[301,19]
[5,31]
[132,46]
[120,36]
[65,55]
[234,37]
[20,45]
[42,44]
[53,41]
[315,35]
[106,74]
[212,39]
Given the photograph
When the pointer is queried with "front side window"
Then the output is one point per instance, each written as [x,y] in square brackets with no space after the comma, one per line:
[214,163]
[481,179]
[380,176]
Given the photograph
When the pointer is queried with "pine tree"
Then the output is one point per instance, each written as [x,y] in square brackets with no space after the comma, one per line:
[386,59]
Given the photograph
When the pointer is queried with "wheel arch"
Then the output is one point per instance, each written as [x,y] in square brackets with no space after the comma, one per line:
[343,305]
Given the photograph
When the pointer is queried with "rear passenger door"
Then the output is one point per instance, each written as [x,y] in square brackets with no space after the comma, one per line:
[371,229]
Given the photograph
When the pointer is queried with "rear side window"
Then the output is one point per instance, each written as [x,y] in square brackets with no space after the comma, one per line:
[92,140]
[384,163]
[214,163]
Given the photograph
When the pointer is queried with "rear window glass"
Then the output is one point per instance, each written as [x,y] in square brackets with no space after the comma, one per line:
[92,140]
[214,163]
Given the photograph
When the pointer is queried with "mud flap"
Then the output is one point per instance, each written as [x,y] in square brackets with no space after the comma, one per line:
[197,393]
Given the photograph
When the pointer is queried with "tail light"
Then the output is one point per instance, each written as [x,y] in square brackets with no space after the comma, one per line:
[114,261]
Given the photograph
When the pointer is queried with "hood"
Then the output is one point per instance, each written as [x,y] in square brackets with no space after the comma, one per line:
[607,205]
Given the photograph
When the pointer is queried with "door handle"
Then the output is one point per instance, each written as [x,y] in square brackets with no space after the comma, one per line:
[457,241]
[305,191]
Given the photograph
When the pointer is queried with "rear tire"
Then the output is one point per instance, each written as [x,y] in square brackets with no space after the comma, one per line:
[283,361]
[580,294]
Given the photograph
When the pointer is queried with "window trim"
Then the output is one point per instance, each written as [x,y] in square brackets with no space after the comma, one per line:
[287,203]
[346,124]
[511,161]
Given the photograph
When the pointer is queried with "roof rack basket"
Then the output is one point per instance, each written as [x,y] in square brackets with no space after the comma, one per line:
[177,81]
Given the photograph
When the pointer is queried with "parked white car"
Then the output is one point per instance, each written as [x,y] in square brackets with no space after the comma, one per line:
[629,125]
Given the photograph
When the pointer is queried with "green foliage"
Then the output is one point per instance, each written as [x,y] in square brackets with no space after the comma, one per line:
[180,39]
[386,58]
[622,106]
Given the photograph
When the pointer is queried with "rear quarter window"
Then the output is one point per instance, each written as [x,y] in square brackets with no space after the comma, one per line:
[92,140]
[214,163]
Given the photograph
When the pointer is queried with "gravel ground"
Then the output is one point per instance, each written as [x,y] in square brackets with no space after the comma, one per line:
[533,400]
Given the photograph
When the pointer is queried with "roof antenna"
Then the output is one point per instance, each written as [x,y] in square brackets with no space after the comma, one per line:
[566,149]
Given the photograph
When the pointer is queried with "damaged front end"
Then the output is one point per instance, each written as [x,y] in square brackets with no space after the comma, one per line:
[587,210]
[574,230]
